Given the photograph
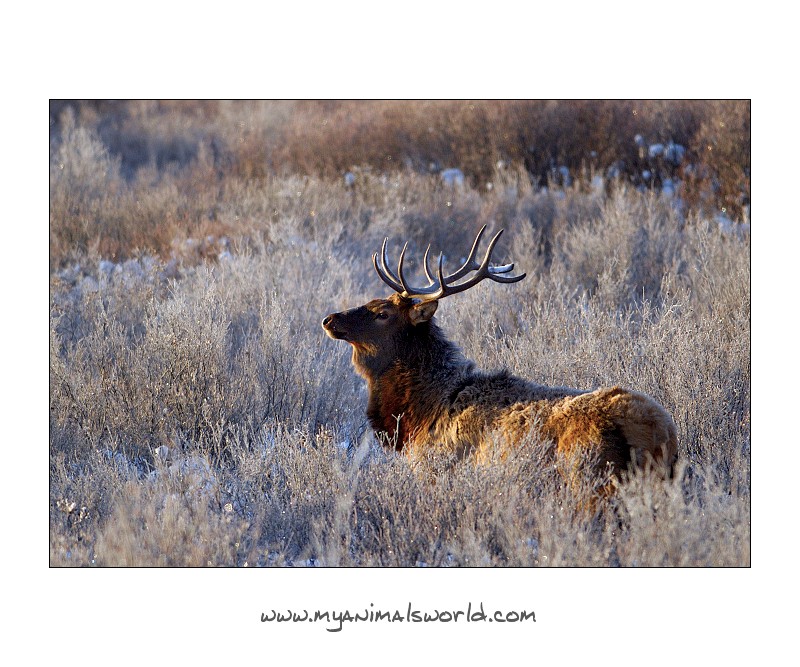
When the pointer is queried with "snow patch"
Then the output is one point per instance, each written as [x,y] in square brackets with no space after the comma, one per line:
[730,228]
[674,153]
[452,177]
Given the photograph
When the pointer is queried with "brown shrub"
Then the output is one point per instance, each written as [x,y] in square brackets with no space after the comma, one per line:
[128,177]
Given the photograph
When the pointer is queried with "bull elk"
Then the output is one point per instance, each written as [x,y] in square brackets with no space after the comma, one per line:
[423,392]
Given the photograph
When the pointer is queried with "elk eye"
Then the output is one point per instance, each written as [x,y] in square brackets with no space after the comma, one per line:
[382,315]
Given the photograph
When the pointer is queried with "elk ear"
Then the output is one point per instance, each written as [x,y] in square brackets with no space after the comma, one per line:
[422,311]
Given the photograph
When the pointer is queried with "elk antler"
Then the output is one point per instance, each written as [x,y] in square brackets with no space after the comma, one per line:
[432,291]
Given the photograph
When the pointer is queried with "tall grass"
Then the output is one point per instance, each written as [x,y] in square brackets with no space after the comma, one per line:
[182,162]
[198,415]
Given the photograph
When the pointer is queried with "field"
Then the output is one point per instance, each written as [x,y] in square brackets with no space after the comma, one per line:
[199,415]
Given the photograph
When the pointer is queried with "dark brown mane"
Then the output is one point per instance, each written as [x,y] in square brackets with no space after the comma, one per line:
[412,393]
[423,392]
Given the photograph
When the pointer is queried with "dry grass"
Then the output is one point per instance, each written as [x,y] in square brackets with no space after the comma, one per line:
[198,415]
[145,176]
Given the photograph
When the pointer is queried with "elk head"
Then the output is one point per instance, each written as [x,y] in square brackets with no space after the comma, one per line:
[384,330]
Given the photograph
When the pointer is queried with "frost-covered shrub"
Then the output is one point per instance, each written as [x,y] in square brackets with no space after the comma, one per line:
[204,402]
[199,415]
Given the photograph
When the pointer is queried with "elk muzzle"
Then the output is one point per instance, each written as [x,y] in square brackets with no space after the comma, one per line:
[347,324]
[329,324]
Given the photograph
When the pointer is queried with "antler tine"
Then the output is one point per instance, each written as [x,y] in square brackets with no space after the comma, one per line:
[491,272]
[385,262]
[445,285]
[483,271]
[442,284]
[431,280]
[384,272]
[490,250]
[398,283]
[397,287]
[470,264]
[400,275]
[502,269]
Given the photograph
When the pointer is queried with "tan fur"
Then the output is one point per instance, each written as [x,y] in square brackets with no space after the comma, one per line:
[413,372]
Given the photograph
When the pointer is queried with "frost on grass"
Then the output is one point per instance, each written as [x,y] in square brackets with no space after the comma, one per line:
[199,416]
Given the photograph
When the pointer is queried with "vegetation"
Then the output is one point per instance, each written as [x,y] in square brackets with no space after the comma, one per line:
[199,415]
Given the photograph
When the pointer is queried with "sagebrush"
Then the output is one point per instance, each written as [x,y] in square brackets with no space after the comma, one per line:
[198,414]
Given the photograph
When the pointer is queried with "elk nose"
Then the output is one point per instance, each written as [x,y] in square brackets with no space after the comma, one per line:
[327,321]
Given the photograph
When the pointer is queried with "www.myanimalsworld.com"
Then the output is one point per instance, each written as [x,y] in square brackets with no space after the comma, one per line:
[335,620]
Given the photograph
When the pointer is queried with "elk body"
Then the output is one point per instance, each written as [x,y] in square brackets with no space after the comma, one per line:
[424,393]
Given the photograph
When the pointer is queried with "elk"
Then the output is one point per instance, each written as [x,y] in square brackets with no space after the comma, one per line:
[424,393]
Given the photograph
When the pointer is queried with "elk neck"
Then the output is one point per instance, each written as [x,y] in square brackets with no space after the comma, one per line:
[408,396]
